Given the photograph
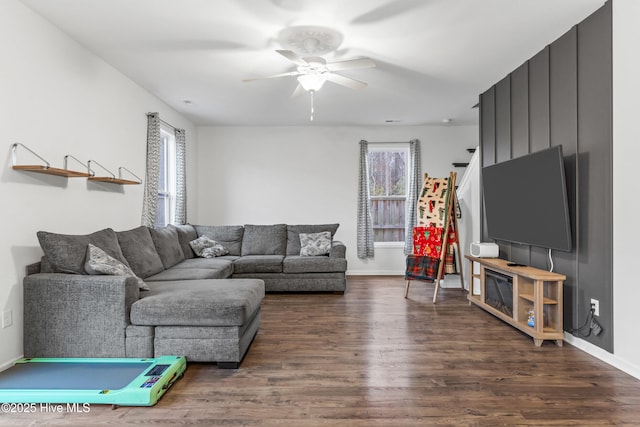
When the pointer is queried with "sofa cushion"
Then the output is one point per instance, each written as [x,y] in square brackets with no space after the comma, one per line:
[229,257]
[217,263]
[293,234]
[227,302]
[315,244]
[140,252]
[167,245]
[46,266]
[205,247]
[318,264]
[186,274]
[99,262]
[264,239]
[186,233]
[258,264]
[67,252]
[229,236]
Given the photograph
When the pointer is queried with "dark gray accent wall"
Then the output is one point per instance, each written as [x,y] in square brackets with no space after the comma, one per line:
[562,96]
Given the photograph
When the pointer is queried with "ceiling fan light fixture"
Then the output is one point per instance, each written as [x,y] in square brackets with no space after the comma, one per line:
[311,82]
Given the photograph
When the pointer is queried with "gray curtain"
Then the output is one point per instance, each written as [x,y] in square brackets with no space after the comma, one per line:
[150,200]
[365,224]
[181,178]
[415,184]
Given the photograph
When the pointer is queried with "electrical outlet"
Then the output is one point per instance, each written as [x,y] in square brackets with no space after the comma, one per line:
[7,319]
[596,306]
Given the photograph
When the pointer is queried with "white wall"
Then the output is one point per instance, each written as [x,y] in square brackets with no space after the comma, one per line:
[58,99]
[309,174]
[469,222]
[626,201]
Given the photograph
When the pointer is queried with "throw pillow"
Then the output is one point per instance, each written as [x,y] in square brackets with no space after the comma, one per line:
[207,248]
[293,234]
[314,244]
[67,252]
[99,262]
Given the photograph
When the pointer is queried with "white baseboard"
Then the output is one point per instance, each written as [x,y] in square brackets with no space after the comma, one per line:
[603,355]
[449,281]
[9,364]
[374,273]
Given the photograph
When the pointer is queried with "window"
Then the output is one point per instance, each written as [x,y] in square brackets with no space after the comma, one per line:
[167,181]
[388,190]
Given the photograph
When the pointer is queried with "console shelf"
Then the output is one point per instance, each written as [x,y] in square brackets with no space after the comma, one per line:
[522,290]
[530,297]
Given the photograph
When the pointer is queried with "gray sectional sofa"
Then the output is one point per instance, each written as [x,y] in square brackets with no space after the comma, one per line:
[173,302]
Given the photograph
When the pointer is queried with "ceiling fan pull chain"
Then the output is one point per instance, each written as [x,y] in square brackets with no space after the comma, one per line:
[311,92]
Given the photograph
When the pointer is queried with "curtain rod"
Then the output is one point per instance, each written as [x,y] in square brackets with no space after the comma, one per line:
[168,124]
[164,122]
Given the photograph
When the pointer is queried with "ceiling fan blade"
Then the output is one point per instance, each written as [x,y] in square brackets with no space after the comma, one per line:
[345,81]
[292,56]
[390,10]
[351,64]
[299,90]
[275,76]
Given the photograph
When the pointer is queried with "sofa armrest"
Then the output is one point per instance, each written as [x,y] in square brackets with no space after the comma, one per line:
[71,315]
[338,250]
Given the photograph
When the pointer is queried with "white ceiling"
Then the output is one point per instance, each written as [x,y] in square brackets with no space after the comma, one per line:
[433,57]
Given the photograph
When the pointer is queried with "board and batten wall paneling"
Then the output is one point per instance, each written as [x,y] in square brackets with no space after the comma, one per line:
[520,137]
[563,102]
[503,133]
[595,188]
[539,101]
[520,111]
[562,96]
[488,138]
[539,123]
[503,120]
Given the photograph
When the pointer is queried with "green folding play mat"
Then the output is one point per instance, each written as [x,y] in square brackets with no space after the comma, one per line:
[110,381]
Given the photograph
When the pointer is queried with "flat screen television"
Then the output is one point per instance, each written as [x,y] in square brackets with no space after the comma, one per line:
[525,200]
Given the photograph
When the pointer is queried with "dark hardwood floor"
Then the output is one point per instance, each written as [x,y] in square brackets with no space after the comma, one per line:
[372,358]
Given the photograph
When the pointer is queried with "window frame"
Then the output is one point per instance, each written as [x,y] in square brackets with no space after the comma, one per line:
[167,181]
[392,147]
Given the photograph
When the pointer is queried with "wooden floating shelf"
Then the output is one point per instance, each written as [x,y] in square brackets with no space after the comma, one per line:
[52,171]
[113,180]
[89,174]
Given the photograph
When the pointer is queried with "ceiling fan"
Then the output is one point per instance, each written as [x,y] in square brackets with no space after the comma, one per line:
[313,71]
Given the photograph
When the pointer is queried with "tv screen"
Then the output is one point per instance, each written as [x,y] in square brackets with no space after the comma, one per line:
[525,200]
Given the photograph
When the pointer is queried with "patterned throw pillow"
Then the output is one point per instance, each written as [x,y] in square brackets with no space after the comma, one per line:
[99,262]
[314,244]
[205,247]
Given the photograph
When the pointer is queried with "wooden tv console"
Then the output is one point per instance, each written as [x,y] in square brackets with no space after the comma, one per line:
[532,289]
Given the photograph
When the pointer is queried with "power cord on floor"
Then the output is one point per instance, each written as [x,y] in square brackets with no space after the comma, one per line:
[591,326]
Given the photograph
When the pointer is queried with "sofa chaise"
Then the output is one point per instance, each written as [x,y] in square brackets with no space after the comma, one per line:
[171,301]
